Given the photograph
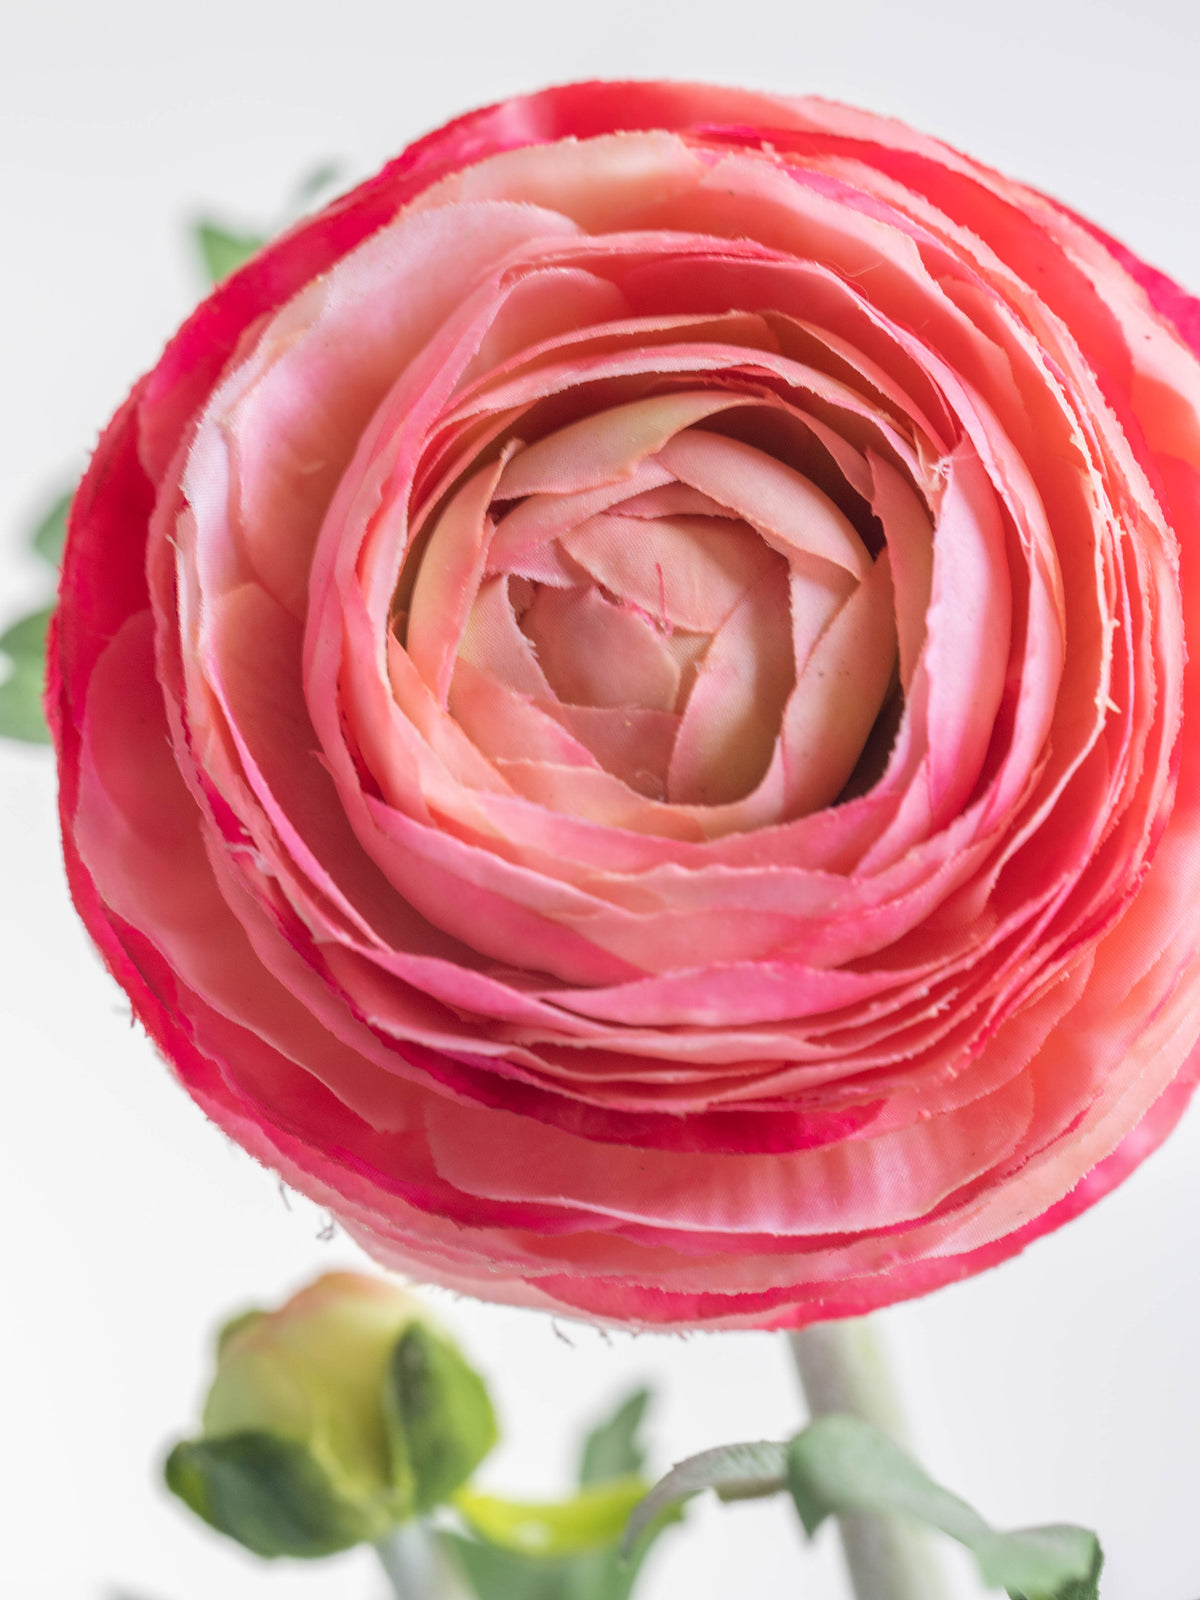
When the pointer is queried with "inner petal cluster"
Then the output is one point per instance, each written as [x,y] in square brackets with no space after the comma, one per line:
[641,595]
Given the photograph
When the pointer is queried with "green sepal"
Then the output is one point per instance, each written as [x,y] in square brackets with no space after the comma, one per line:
[589,1520]
[438,1414]
[841,1464]
[269,1494]
[612,1449]
[221,250]
[24,644]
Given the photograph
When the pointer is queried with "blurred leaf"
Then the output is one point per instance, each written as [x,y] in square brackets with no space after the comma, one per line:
[1044,1554]
[611,1449]
[1086,1589]
[313,182]
[51,532]
[268,1493]
[221,250]
[842,1464]
[610,1455]
[498,1574]
[24,646]
[735,1471]
[438,1414]
[589,1520]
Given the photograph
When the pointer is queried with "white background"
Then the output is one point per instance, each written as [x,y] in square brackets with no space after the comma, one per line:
[1064,1386]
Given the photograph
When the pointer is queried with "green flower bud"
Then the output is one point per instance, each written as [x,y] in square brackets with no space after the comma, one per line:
[332,1420]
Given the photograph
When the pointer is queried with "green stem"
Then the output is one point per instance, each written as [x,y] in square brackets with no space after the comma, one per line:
[843,1367]
[416,1568]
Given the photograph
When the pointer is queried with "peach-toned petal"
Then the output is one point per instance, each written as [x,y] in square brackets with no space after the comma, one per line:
[687,572]
[504,724]
[793,514]
[596,653]
[452,566]
[606,448]
[632,743]
[838,693]
[492,642]
[731,721]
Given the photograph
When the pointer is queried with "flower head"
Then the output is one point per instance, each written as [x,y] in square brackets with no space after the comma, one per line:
[622,697]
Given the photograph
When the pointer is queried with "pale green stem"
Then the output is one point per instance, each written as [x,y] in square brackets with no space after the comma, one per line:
[416,1568]
[843,1367]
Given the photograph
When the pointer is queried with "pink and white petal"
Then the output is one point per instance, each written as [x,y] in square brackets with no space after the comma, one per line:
[816,595]
[493,643]
[545,303]
[838,694]
[672,500]
[596,182]
[685,571]
[609,446]
[908,529]
[630,742]
[791,513]
[505,724]
[859,1184]
[968,631]
[596,653]
[731,722]
[448,578]
[540,519]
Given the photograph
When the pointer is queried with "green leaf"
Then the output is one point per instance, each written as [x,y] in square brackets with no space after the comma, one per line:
[842,1464]
[508,1569]
[268,1493]
[221,250]
[25,639]
[589,1520]
[612,1448]
[735,1471]
[1030,1562]
[24,646]
[313,182]
[497,1574]
[51,532]
[438,1414]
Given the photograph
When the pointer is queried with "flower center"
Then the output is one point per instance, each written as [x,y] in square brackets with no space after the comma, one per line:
[639,596]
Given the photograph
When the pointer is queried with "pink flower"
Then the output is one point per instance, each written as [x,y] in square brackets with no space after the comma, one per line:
[621,696]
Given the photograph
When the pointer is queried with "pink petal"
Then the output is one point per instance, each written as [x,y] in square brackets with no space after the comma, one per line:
[685,571]
[788,511]
[839,692]
[632,743]
[598,654]
[448,579]
[492,642]
[731,721]
[608,447]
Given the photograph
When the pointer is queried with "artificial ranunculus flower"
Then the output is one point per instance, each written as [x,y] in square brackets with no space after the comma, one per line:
[625,701]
